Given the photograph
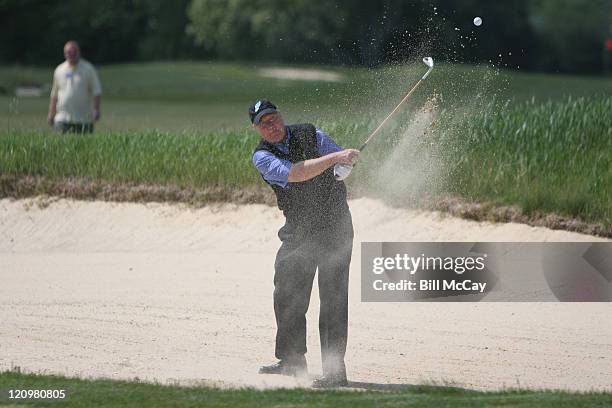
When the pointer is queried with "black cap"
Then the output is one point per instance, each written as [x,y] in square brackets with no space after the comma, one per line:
[259,108]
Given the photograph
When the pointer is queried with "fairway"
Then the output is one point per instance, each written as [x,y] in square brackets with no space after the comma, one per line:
[204,97]
[173,294]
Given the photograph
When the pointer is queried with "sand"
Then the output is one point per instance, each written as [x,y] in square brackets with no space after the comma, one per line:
[301,74]
[172,294]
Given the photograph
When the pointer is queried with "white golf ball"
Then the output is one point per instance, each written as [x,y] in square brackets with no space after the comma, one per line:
[477,21]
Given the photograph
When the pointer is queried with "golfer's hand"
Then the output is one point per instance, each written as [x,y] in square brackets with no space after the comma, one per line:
[95,115]
[348,156]
[51,118]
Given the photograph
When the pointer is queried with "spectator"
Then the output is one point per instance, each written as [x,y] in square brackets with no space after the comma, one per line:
[75,95]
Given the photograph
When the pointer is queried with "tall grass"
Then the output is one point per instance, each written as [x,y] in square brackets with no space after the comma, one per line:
[185,160]
[545,157]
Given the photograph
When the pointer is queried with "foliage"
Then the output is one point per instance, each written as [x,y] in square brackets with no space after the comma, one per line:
[571,32]
[551,35]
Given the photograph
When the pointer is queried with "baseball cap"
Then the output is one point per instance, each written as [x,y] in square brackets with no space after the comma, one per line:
[259,108]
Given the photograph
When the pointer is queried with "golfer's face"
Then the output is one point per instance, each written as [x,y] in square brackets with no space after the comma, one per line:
[271,127]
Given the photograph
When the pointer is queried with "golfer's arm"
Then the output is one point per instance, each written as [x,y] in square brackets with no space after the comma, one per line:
[307,169]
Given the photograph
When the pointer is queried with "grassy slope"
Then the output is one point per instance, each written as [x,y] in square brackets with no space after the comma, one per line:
[551,158]
[201,97]
[88,393]
[541,150]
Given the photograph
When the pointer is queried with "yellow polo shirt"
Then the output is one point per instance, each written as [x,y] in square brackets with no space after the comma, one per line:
[75,88]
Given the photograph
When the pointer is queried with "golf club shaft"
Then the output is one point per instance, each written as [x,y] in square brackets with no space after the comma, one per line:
[363,146]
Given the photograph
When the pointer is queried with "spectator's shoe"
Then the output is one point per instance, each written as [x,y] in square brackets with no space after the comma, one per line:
[295,367]
[330,381]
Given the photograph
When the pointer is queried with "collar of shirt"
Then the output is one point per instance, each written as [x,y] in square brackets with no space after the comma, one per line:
[284,146]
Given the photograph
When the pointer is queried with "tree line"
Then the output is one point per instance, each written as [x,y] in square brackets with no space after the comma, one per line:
[543,35]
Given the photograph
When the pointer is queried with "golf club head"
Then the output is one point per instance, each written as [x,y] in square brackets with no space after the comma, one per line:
[342,171]
[430,63]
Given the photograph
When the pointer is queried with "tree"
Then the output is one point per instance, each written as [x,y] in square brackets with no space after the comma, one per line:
[298,30]
[571,33]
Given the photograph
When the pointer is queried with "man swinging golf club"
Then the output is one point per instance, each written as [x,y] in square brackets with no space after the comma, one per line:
[297,162]
[305,168]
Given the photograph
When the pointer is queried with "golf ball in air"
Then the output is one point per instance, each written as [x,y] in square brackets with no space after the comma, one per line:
[477,21]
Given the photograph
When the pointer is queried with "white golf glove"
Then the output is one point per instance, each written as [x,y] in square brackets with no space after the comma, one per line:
[342,171]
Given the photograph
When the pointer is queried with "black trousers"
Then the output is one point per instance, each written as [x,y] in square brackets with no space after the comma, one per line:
[70,127]
[297,260]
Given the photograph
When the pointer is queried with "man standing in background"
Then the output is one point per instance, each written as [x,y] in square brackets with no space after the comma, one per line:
[75,95]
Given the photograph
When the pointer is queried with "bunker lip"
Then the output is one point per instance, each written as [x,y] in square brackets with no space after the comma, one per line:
[47,190]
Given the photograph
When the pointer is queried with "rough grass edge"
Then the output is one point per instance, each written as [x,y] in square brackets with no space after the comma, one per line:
[425,387]
[18,187]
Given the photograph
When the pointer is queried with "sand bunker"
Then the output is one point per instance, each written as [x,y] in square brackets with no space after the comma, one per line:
[301,74]
[168,293]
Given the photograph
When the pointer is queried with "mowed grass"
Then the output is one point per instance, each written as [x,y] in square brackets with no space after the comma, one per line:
[103,392]
[206,97]
[540,142]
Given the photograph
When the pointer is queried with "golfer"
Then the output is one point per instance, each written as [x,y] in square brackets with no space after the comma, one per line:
[75,95]
[297,162]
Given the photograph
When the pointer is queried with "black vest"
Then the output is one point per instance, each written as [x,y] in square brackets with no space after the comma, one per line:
[314,203]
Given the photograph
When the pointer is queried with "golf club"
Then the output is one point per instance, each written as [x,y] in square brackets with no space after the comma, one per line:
[342,171]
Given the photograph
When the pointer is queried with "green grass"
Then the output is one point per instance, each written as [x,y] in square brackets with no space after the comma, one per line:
[540,142]
[184,160]
[204,97]
[554,157]
[103,392]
